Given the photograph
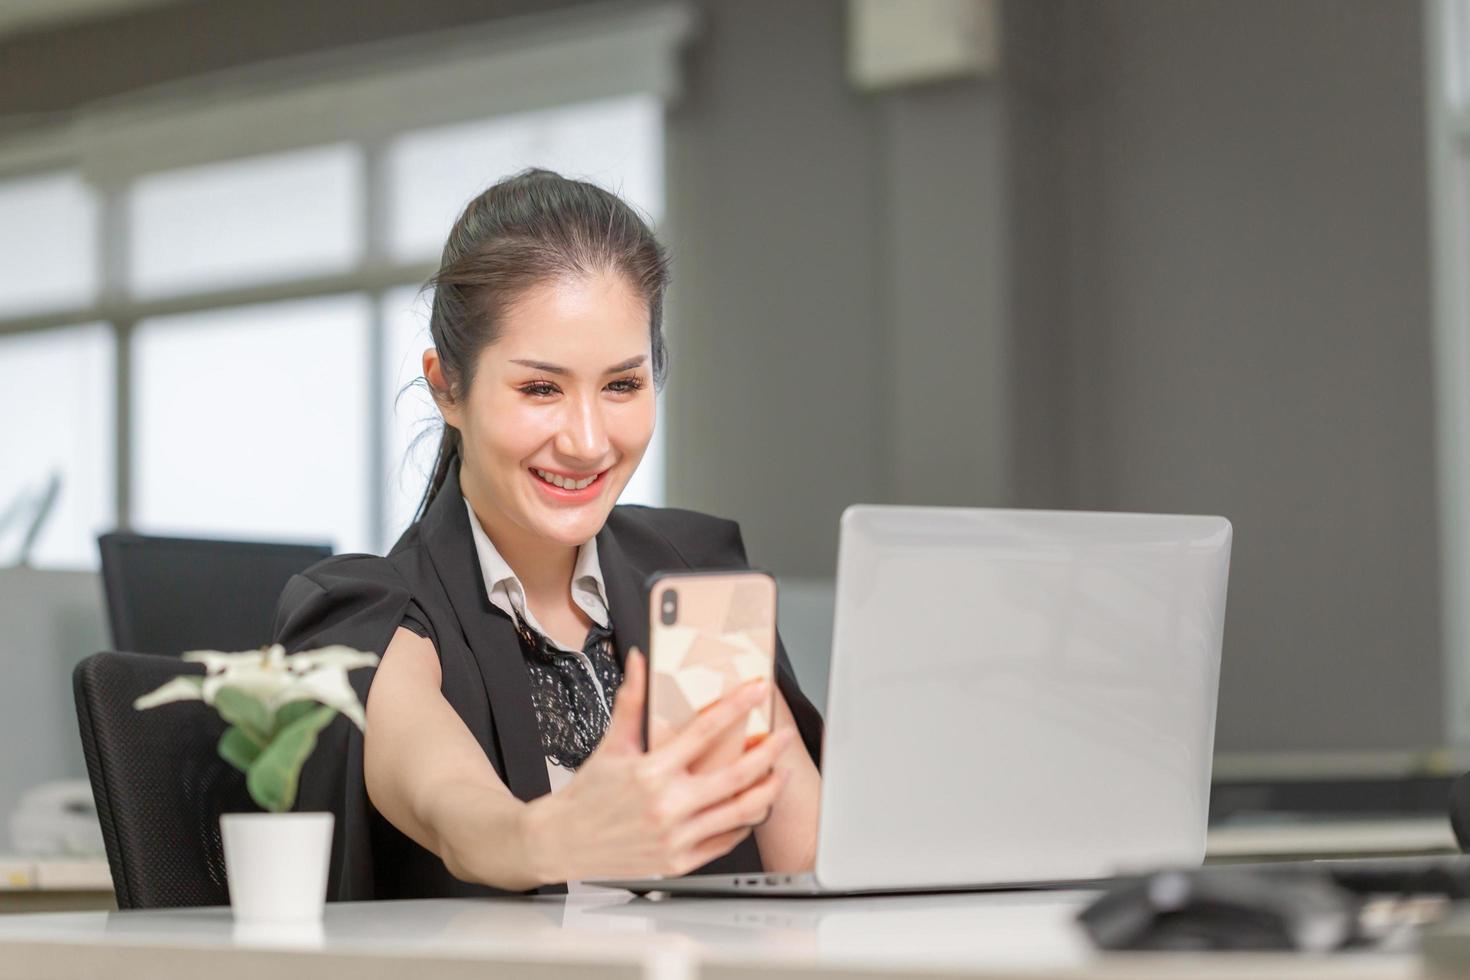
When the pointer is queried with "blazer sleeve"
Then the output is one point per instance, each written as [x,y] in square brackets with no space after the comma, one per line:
[359,601]
[721,545]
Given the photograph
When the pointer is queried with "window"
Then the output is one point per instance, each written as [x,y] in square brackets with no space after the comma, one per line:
[57,394]
[48,243]
[410,420]
[227,276]
[254,422]
[269,406]
[433,173]
[267,218]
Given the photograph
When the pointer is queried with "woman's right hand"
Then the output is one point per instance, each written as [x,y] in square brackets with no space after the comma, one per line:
[630,813]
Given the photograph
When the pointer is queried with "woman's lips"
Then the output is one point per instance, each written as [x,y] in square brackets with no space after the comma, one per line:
[562,493]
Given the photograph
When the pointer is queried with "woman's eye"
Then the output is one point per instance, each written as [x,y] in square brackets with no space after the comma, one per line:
[545,389]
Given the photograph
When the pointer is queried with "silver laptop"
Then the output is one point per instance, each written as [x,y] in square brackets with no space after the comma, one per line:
[1016,698]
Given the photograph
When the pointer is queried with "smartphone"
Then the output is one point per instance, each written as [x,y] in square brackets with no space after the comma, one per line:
[709,633]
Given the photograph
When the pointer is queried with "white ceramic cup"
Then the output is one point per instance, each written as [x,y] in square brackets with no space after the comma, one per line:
[277,864]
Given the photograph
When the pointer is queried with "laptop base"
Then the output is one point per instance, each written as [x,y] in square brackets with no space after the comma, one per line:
[807,886]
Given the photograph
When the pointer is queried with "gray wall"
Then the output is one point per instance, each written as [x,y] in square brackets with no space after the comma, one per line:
[1249,334]
[775,327]
[839,324]
[1172,258]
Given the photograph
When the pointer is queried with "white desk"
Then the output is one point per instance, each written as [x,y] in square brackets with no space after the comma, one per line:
[997,935]
[1395,836]
[55,884]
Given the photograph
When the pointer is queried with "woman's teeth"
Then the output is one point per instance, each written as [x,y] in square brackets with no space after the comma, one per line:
[565,484]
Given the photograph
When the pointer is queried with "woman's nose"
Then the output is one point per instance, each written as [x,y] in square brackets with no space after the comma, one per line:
[583,434]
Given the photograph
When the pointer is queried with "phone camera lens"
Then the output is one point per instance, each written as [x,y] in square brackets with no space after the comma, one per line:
[669,607]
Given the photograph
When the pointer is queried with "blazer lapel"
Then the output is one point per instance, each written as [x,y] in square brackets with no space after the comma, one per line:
[492,639]
[627,596]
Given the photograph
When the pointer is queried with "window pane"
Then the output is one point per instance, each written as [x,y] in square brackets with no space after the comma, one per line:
[433,173]
[60,382]
[48,244]
[253,423]
[284,216]
[406,317]
[410,414]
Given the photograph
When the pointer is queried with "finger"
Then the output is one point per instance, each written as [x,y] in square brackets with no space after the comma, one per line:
[625,728]
[743,810]
[710,788]
[722,749]
[718,846]
[660,732]
[785,775]
[713,722]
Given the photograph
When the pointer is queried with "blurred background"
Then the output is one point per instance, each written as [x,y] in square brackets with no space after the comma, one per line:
[1203,256]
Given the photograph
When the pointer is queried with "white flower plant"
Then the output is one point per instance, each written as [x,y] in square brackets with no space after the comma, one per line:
[275,706]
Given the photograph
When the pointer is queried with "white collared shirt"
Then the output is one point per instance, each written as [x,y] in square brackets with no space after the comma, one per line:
[589,591]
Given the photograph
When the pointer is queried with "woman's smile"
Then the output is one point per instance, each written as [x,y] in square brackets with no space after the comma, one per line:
[565,487]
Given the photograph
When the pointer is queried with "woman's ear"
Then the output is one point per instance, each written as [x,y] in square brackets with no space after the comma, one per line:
[439,388]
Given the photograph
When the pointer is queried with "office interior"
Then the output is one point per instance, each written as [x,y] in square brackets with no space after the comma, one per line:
[1203,257]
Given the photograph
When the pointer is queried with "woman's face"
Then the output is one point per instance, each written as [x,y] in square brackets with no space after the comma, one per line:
[564,395]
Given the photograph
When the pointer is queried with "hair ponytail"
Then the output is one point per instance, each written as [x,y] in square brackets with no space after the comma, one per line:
[449,445]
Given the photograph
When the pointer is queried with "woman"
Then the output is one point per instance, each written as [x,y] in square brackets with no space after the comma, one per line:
[504,721]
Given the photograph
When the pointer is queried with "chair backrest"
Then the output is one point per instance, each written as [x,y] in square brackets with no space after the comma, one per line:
[1460,811]
[168,595]
[158,781]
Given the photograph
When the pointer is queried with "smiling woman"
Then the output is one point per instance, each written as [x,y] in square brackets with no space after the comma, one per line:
[503,745]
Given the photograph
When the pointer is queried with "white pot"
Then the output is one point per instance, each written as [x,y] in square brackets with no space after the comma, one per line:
[277,864]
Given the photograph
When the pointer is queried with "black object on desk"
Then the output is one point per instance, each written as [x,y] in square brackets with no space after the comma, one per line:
[1301,905]
[169,595]
[1225,909]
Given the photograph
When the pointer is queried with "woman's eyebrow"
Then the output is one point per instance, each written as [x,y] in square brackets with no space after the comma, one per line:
[627,365]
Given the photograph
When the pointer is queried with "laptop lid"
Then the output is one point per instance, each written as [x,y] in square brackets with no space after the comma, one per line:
[1019,696]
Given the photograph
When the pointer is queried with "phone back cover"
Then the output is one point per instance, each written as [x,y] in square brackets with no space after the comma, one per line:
[724,635]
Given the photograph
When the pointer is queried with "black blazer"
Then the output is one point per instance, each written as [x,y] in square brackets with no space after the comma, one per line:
[360,600]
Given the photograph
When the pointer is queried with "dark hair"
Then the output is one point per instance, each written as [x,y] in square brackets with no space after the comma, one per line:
[528,229]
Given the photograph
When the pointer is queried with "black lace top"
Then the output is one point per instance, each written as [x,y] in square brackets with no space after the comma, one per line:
[570,709]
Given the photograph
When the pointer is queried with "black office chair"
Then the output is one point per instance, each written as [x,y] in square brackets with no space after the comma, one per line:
[1460,811]
[168,595]
[159,784]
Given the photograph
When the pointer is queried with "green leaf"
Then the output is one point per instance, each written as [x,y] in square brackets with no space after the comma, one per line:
[237,748]
[273,777]
[288,713]
[246,711]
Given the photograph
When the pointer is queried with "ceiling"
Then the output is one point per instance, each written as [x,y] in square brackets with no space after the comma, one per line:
[17,16]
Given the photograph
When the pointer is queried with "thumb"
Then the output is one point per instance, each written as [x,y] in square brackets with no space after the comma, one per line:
[625,729]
